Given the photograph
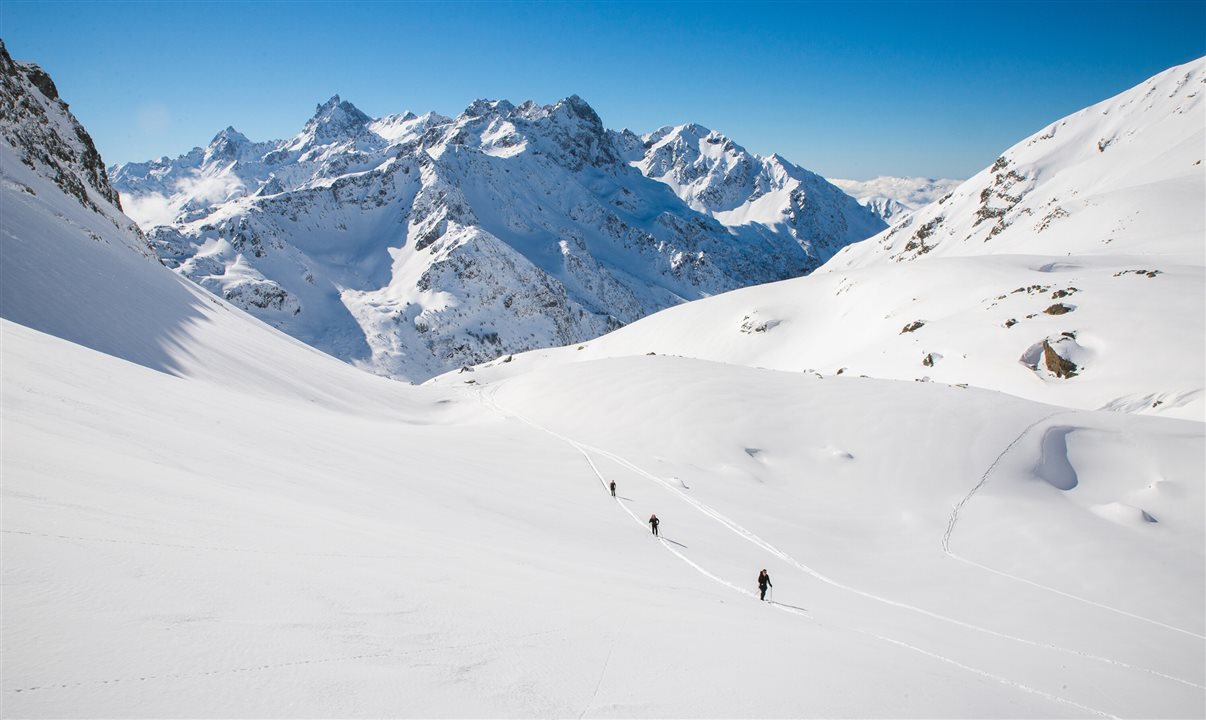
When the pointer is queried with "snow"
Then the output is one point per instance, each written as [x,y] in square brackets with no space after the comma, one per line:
[203,516]
[431,551]
[340,235]
[941,297]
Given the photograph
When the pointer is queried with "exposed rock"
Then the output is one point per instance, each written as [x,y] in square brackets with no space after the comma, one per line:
[753,325]
[1059,366]
[29,110]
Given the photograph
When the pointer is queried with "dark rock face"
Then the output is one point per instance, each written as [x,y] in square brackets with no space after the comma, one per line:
[1059,366]
[67,155]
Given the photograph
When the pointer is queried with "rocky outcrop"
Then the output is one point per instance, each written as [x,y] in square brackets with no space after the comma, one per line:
[1056,364]
[36,121]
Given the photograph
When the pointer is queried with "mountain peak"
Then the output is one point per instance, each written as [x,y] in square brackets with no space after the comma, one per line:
[337,109]
[693,129]
[578,107]
[334,120]
[229,134]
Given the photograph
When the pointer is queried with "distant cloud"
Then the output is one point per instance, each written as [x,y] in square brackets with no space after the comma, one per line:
[192,191]
[208,188]
[148,210]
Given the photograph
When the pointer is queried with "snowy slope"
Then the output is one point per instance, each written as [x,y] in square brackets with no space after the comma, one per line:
[894,198]
[1092,249]
[398,244]
[204,517]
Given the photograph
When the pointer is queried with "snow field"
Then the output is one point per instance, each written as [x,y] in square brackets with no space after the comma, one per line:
[310,561]
[877,552]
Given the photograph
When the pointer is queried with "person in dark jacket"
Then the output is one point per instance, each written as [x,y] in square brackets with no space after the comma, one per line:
[613,488]
[653,523]
[764,582]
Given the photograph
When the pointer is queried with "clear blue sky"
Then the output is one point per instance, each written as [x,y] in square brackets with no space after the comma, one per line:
[847,89]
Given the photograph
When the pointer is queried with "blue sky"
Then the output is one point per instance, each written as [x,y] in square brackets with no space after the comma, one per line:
[847,89]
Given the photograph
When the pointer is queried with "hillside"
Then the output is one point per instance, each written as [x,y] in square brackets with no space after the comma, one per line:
[1070,272]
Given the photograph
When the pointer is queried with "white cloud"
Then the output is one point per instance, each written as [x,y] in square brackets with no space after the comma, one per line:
[148,210]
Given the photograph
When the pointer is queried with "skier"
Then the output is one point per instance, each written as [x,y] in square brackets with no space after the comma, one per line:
[613,488]
[653,523]
[764,582]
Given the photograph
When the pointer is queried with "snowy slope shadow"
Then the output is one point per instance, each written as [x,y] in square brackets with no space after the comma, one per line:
[1053,465]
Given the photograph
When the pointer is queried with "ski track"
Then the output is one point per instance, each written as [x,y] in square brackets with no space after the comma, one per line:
[599,684]
[584,448]
[950,529]
[759,542]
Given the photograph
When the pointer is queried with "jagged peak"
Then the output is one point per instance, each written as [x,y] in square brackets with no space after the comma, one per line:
[320,108]
[229,134]
[694,129]
[576,107]
[334,120]
[482,107]
[338,109]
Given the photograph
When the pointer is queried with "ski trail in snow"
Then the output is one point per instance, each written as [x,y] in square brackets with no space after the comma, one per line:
[950,529]
[804,614]
[759,542]
[583,449]
[950,525]
[599,684]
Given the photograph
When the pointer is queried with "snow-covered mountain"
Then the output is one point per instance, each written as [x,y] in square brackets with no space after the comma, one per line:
[716,176]
[44,137]
[1071,271]
[894,198]
[203,516]
[411,245]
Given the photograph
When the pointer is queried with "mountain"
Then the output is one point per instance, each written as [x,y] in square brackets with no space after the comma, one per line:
[44,137]
[204,516]
[714,175]
[1069,272]
[77,270]
[411,245]
[894,198]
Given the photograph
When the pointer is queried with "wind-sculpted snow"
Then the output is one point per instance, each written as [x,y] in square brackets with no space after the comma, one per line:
[411,245]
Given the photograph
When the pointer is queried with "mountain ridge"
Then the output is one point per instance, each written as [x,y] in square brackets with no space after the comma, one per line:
[1070,271]
[400,243]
